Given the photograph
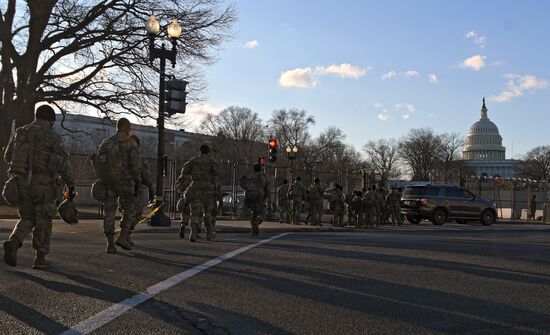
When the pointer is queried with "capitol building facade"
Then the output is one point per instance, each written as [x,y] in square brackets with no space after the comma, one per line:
[483,153]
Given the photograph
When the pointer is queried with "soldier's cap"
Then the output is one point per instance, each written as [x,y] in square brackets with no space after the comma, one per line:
[298,178]
[204,149]
[45,112]
[317,180]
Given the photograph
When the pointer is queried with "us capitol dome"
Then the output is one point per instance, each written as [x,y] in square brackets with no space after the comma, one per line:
[483,153]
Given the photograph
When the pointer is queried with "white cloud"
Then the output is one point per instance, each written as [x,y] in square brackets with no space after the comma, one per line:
[393,74]
[389,75]
[498,63]
[432,78]
[410,108]
[251,44]
[411,73]
[197,111]
[475,63]
[471,34]
[478,39]
[301,78]
[307,77]
[384,117]
[518,85]
[387,114]
[343,70]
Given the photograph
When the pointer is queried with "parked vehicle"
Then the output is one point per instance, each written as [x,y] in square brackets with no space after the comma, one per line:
[440,203]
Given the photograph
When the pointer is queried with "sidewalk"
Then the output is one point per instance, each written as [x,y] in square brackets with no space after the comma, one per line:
[86,226]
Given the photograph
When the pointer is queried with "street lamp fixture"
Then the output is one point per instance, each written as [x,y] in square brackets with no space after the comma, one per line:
[173,32]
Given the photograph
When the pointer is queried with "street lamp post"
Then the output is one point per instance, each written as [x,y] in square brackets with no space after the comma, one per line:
[291,154]
[173,30]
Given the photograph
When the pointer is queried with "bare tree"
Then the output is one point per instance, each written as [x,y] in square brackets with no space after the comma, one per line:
[92,55]
[329,152]
[291,127]
[238,128]
[420,149]
[451,145]
[536,163]
[382,155]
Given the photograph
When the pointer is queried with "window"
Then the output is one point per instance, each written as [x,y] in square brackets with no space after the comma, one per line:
[452,192]
[431,191]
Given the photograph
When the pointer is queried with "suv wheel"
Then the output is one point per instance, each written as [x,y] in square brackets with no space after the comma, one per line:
[439,216]
[488,217]
[413,219]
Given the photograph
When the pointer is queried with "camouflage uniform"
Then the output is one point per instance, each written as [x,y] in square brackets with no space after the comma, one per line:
[146,180]
[203,171]
[124,191]
[315,207]
[367,205]
[182,183]
[355,210]
[256,193]
[296,194]
[282,197]
[36,157]
[217,201]
[337,204]
[395,207]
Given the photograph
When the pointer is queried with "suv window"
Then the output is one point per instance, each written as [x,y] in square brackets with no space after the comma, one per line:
[431,191]
[466,194]
[413,190]
[453,192]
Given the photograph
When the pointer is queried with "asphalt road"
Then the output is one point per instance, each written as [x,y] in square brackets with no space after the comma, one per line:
[455,279]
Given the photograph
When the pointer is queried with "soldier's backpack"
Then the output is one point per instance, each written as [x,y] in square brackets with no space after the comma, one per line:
[254,188]
[108,162]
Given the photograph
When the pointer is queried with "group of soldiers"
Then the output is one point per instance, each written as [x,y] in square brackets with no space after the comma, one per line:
[38,164]
[367,208]
[375,207]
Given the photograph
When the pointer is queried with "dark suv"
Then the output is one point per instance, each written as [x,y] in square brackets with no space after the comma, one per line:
[438,203]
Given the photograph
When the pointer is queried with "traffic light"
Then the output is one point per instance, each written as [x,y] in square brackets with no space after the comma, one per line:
[272,150]
[175,97]
[261,161]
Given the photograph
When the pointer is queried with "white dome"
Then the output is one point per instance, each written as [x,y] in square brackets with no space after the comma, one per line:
[483,141]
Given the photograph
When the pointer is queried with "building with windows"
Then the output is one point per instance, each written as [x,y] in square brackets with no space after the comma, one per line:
[483,153]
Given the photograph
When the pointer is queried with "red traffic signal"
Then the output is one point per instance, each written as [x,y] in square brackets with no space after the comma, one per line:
[273,144]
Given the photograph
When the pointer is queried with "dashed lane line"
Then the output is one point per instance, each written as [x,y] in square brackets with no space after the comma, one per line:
[102,318]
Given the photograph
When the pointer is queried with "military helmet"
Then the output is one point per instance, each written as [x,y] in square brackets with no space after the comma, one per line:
[68,212]
[11,192]
[98,191]
[45,112]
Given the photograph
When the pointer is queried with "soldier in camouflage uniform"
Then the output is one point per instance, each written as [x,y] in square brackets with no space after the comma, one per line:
[147,181]
[217,199]
[36,156]
[203,171]
[282,197]
[376,206]
[337,204]
[182,183]
[368,205]
[296,194]
[394,202]
[256,191]
[121,191]
[315,199]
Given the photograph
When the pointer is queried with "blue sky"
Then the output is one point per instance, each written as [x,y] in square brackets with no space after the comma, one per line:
[378,69]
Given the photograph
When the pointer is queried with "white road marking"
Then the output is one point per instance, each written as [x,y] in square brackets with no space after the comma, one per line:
[89,325]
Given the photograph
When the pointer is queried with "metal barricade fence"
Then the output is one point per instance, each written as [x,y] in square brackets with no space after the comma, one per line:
[230,175]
